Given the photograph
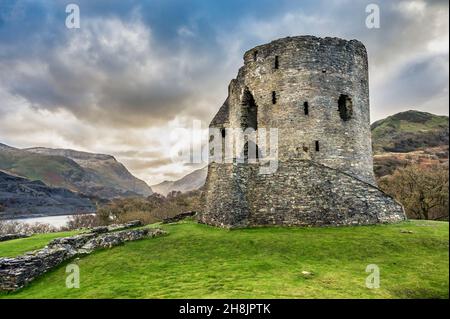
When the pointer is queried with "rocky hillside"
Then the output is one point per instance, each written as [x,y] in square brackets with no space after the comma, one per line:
[94,175]
[190,182]
[409,131]
[20,197]
[410,137]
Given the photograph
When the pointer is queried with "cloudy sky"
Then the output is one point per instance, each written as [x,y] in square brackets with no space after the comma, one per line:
[136,70]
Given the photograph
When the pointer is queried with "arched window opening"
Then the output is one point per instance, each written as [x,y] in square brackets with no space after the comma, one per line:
[274,97]
[277,62]
[345,106]
[249,118]
[255,55]
[222,131]
[317,146]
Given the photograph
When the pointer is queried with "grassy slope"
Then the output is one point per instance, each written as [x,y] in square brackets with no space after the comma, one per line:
[197,261]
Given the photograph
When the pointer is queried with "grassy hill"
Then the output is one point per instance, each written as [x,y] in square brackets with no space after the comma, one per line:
[198,261]
[409,131]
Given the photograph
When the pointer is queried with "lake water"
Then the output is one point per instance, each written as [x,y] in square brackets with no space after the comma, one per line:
[56,221]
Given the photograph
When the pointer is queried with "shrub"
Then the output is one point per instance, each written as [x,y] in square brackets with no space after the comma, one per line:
[83,221]
[12,227]
[149,210]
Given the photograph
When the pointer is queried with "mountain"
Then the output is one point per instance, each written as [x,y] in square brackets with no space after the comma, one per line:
[410,137]
[409,131]
[192,181]
[95,175]
[20,197]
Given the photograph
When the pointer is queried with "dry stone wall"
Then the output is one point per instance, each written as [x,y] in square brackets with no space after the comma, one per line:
[17,272]
[12,236]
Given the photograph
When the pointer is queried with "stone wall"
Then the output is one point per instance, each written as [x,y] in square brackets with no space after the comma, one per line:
[178,217]
[300,193]
[12,236]
[17,272]
[115,227]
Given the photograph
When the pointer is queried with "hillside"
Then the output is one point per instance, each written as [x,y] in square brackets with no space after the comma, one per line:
[94,175]
[198,261]
[409,131]
[192,181]
[20,197]
[407,138]
[386,163]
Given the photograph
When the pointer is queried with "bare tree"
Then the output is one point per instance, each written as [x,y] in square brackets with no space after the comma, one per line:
[423,190]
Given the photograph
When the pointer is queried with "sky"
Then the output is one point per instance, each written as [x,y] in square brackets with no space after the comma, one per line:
[137,71]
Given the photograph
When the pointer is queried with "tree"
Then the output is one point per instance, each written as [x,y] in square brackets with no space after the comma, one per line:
[423,190]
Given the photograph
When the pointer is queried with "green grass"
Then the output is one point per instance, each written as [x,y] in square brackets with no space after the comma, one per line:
[13,248]
[198,261]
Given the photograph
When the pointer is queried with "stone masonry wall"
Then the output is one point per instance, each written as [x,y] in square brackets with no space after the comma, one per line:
[315,92]
[300,193]
[316,71]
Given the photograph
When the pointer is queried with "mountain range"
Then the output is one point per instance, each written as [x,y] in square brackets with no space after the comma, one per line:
[94,175]
[191,181]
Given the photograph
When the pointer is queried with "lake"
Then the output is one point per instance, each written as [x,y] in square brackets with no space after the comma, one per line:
[56,221]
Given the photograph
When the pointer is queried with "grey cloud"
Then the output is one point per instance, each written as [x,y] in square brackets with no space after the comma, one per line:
[141,164]
[101,81]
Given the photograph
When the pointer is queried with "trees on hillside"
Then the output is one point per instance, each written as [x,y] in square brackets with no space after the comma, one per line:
[423,190]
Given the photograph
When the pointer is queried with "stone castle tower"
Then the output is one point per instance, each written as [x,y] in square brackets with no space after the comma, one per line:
[315,92]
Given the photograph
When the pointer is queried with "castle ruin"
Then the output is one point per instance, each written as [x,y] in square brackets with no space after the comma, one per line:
[315,91]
